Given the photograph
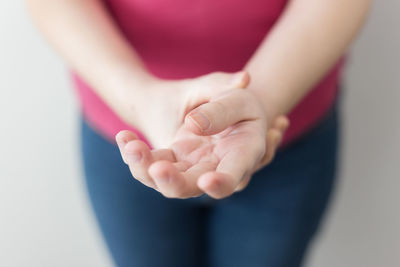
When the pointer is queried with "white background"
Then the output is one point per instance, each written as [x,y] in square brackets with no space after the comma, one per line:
[46,221]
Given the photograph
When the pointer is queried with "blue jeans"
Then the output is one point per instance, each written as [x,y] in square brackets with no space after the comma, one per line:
[269,224]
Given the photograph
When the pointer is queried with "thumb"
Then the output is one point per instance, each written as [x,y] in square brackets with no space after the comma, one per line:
[215,116]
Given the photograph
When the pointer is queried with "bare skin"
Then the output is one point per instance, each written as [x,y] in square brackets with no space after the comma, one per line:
[218,163]
[303,45]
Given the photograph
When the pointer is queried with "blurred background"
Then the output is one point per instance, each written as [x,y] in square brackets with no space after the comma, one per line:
[45,219]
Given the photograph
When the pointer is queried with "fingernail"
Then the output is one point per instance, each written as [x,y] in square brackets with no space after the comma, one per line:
[200,120]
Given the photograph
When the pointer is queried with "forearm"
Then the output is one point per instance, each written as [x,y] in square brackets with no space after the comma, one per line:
[85,35]
[307,41]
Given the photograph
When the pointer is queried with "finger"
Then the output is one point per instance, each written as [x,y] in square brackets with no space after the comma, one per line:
[281,123]
[208,86]
[182,166]
[163,154]
[162,173]
[217,185]
[218,114]
[122,138]
[139,158]
[243,184]
[175,184]
[193,174]
[274,138]
[240,80]
[232,169]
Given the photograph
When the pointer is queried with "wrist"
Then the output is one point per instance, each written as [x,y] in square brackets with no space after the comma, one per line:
[131,87]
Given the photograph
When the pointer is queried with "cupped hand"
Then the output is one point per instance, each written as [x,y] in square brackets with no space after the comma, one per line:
[215,151]
[159,108]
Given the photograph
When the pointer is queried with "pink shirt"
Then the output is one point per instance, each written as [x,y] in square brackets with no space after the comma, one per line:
[185,38]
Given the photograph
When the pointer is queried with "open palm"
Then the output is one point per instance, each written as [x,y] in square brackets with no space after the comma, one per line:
[214,162]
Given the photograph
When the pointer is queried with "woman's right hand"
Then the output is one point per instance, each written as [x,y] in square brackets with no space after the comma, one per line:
[158,108]
[217,160]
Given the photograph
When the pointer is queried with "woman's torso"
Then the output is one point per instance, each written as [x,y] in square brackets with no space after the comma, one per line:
[183,38]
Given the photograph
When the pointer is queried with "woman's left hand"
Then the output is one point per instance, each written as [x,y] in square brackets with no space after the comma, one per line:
[217,159]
